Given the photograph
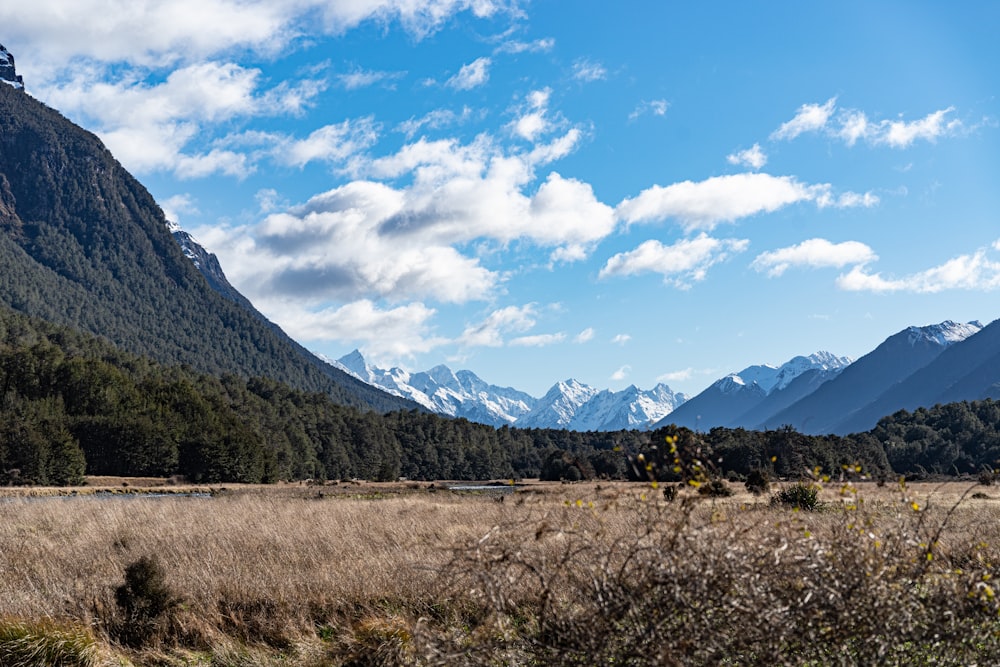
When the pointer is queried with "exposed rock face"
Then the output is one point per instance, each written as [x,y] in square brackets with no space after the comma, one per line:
[7,71]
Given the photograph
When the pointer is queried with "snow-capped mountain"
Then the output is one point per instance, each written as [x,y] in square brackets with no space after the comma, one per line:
[746,392]
[559,405]
[8,74]
[461,394]
[631,408]
[569,404]
[829,409]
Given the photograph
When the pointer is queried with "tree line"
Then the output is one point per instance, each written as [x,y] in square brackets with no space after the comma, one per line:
[72,404]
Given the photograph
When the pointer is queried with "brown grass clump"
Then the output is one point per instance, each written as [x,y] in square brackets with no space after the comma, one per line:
[555,574]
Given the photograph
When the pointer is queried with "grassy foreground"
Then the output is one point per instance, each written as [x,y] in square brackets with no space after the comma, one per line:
[575,574]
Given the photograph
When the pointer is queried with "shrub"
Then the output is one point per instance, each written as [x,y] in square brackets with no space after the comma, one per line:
[803,496]
[758,482]
[716,488]
[987,477]
[146,602]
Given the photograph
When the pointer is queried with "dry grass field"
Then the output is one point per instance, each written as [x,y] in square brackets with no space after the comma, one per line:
[415,574]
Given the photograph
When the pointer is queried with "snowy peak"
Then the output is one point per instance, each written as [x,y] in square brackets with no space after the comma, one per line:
[767,378]
[441,390]
[7,72]
[559,405]
[630,408]
[944,334]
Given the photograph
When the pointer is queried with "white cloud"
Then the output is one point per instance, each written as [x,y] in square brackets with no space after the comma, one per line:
[471,75]
[152,127]
[621,339]
[174,206]
[753,157]
[621,373]
[705,204]
[434,120]
[490,332]
[365,78]
[532,122]
[154,33]
[587,70]
[680,264]
[852,125]
[655,107]
[677,376]
[809,118]
[536,46]
[331,143]
[975,272]
[901,134]
[814,253]
[386,335]
[538,340]
[585,335]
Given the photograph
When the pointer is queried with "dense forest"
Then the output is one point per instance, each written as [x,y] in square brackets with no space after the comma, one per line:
[72,404]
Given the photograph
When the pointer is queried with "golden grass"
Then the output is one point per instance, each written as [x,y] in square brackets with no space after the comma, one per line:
[407,574]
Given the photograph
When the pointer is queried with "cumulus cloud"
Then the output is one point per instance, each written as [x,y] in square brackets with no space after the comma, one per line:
[532,121]
[852,126]
[152,33]
[705,204]
[685,262]
[490,332]
[814,253]
[174,207]
[385,334]
[330,143]
[150,127]
[471,75]
[585,335]
[621,339]
[975,271]
[753,157]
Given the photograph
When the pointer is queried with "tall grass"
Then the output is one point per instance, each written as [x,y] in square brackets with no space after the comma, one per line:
[570,574]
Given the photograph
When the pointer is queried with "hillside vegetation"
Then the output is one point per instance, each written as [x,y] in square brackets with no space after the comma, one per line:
[72,404]
[83,244]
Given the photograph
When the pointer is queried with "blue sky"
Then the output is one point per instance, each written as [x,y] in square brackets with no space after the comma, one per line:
[622,193]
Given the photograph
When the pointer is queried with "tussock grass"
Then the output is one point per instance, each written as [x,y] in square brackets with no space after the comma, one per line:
[555,574]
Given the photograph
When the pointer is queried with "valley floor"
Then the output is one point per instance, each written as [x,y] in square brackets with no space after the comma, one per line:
[538,573]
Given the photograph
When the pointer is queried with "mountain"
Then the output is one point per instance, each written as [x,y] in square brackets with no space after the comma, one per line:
[567,405]
[8,74]
[967,370]
[559,405]
[462,394]
[830,407]
[83,244]
[749,397]
[631,408]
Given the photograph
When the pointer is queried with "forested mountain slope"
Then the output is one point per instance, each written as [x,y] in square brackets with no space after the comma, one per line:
[82,243]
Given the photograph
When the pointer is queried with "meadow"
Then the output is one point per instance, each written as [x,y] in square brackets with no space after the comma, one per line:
[538,574]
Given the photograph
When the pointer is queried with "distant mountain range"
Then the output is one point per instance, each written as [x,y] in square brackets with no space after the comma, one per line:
[816,394]
[821,394]
[568,405]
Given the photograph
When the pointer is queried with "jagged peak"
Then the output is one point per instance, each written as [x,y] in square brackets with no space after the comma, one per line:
[945,333]
[8,74]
